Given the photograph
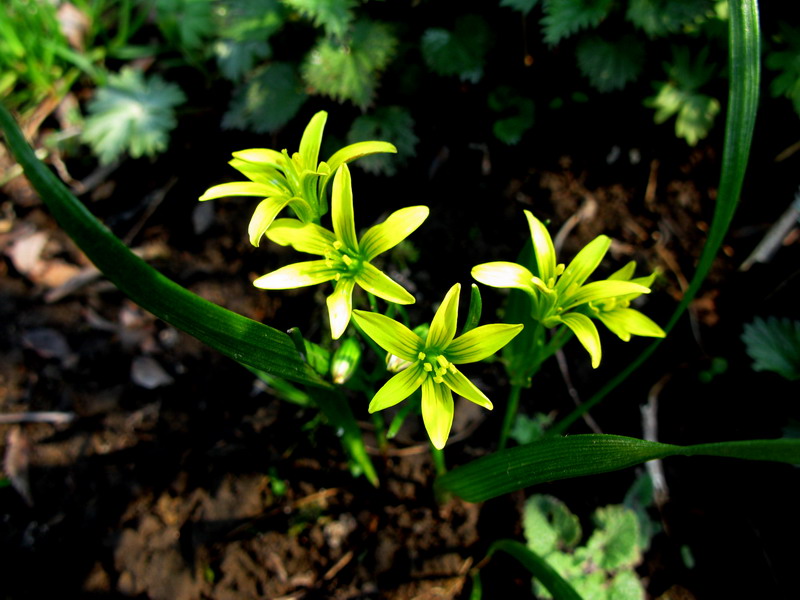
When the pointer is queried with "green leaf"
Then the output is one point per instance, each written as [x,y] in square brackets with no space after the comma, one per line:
[787,62]
[610,65]
[334,15]
[523,6]
[660,18]
[553,459]
[614,544]
[267,101]
[131,114]
[562,18]
[349,69]
[516,114]
[186,23]
[392,124]
[245,28]
[774,345]
[626,586]
[549,525]
[538,567]
[458,52]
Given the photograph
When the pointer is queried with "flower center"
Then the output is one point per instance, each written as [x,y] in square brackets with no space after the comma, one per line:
[344,261]
[435,365]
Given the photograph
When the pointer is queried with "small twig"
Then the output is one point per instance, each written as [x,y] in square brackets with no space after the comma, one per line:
[765,250]
[655,468]
[587,210]
[54,417]
[564,368]
[340,564]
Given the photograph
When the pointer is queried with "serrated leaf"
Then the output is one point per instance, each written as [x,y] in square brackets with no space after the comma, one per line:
[334,15]
[658,18]
[614,544]
[267,101]
[523,6]
[349,70]
[549,525]
[562,18]
[131,114]
[236,58]
[610,65]
[392,124]
[245,28]
[186,23]
[626,586]
[458,52]
[787,62]
[774,345]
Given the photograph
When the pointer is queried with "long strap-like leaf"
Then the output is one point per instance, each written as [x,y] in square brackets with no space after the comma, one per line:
[243,339]
[552,459]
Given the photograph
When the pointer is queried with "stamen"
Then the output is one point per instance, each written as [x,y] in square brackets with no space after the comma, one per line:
[452,369]
[441,372]
[337,277]
[421,356]
[427,367]
[337,244]
[438,379]
[442,361]
[347,260]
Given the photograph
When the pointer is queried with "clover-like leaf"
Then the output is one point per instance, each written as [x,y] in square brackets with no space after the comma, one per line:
[774,345]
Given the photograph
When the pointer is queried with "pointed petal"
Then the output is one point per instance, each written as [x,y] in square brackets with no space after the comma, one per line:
[344,225]
[397,227]
[600,290]
[261,174]
[583,265]
[625,322]
[464,387]
[437,411]
[443,326]
[543,249]
[242,188]
[296,275]
[262,156]
[354,151]
[587,335]
[625,273]
[303,237]
[340,306]
[390,335]
[311,140]
[377,282]
[398,388]
[480,342]
[264,215]
[503,274]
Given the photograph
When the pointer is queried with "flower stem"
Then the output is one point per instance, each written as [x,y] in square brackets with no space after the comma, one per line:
[512,405]
[438,461]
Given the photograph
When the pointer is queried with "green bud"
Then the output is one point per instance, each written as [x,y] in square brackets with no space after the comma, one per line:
[345,360]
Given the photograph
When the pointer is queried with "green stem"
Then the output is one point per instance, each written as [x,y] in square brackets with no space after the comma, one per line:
[512,405]
[438,461]
[380,431]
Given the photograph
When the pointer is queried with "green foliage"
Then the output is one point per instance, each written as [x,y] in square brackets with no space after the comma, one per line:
[549,525]
[774,345]
[562,18]
[787,62]
[266,101]
[334,15]
[349,69]
[527,429]
[245,27]
[460,52]
[131,114]
[610,65]
[658,18]
[681,96]
[523,6]
[187,24]
[515,111]
[393,124]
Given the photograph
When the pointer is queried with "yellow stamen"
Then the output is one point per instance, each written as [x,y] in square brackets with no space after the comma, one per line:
[421,356]
[427,367]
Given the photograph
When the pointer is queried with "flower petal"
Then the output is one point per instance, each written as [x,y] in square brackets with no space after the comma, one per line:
[340,306]
[261,174]
[354,151]
[443,326]
[480,342]
[625,322]
[263,156]
[311,140]
[398,388]
[344,225]
[464,387]
[377,282]
[503,274]
[390,335]
[587,335]
[397,227]
[543,249]
[242,188]
[303,237]
[297,275]
[600,290]
[583,265]
[437,411]
[264,215]
[625,273]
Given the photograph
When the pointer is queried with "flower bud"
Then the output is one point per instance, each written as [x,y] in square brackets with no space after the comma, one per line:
[345,360]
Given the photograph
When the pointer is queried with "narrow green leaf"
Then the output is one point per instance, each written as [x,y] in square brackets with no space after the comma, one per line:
[552,459]
[240,338]
[538,567]
[475,309]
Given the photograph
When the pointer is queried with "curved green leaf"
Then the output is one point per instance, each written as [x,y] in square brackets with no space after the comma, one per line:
[552,459]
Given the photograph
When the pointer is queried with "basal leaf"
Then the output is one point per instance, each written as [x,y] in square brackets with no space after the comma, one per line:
[610,65]
[774,345]
[523,6]
[614,544]
[549,525]
[562,18]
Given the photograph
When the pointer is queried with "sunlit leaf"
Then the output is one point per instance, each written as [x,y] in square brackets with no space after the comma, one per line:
[562,18]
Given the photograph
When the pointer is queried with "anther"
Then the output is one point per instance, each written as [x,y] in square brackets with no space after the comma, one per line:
[438,379]
[442,361]
[427,367]
[337,244]
[421,356]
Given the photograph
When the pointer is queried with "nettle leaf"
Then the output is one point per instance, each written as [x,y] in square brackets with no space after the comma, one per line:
[334,15]
[186,23]
[549,525]
[562,18]
[610,65]
[245,28]
[523,6]
[392,124]
[615,543]
[787,82]
[349,69]
[516,111]
[658,18]
[458,52]
[774,345]
[131,114]
[267,101]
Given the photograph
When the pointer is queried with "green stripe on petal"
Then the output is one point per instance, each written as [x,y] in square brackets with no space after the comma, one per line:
[297,275]
[587,335]
[390,335]
[242,188]
[263,156]
[443,326]
[480,342]
[503,274]
[342,209]
[544,252]
[264,215]
[398,388]
[464,387]
[397,227]
[437,411]
[584,264]
[377,282]
[627,321]
[311,140]
[340,306]
[600,290]
[303,237]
